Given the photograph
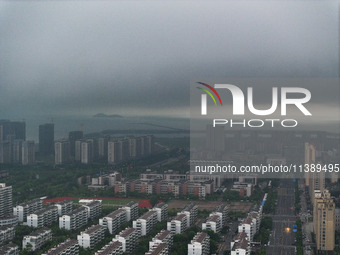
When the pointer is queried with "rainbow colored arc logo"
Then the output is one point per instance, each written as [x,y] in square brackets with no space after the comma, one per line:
[209,93]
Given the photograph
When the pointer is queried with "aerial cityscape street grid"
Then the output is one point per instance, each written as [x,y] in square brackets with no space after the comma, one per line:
[169,127]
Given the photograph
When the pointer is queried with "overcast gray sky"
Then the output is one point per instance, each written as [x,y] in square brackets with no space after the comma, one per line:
[138,57]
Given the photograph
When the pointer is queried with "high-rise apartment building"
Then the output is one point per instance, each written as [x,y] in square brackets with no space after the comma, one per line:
[102,146]
[113,152]
[87,152]
[5,152]
[134,147]
[310,152]
[215,138]
[77,150]
[17,151]
[46,139]
[324,221]
[5,200]
[28,153]
[62,152]
[73,136]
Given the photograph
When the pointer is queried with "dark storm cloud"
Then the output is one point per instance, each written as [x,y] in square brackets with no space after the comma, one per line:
[139,57]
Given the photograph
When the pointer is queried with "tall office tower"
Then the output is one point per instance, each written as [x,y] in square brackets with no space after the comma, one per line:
[19,129]
[17,151]
[215,138]
[73,136]
[46,139]
[5,129]
[16,128]
[62,152]
[112,152]
[310,152]
[5,200]
[77,150]
[28,153]
[102,146]
[5,152]
[134,147]
[87,152]
[324,221]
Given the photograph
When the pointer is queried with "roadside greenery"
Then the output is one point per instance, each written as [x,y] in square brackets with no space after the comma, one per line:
[265,227]
[297,198]
[299,240]
[269,206]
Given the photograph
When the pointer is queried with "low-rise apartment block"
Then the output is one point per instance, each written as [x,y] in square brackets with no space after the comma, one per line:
[129,239]
[213,223]
[9,220]
[165,236]
[248,226]
[240,245]
[37,239]
[178,225]
[76,219]
[191,212]
[9,249]
[94,209]
[251,224]
[131,210]
[114,220]
[162,211]
[200,244]
[145,223]
[91,236]
[7,233]
[158,249]
[43,217]
[64,207]
[113,248]
[25,209]
[69,247]
[222,211]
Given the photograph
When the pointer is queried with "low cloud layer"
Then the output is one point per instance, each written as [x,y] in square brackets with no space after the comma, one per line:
[137,58]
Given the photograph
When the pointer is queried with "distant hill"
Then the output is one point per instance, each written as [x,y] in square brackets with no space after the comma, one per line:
[103,115]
